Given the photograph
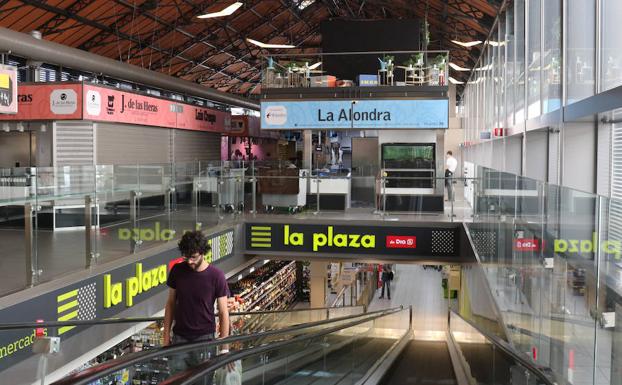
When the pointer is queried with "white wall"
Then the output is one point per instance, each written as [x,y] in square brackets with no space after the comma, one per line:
[579,156]
[536,154]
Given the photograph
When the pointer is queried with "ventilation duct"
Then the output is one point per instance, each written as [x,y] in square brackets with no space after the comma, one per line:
[24,45]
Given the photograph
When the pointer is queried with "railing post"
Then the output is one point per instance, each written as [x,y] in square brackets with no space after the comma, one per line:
[383,184]
[134,240]
[317,193]
[32,268]
[88,228]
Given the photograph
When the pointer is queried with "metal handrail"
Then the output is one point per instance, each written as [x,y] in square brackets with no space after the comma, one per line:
[110,321]
[191,375]
[95,372]
[507,349]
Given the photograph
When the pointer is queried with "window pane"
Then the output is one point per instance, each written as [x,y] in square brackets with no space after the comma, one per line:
[533,57]
[551,63]
[581,32]
[519,100]
[509,68]
[612,44]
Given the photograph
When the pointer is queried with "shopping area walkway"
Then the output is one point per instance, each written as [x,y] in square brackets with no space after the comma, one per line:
[421,288]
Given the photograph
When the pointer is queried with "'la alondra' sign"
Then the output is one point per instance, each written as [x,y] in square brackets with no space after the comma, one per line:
[362,114]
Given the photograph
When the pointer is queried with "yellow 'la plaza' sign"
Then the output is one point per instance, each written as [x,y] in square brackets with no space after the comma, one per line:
[139,283]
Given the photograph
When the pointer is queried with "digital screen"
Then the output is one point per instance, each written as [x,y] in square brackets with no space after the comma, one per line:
[408,155]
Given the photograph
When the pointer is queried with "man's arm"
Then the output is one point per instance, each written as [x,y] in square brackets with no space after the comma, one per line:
[223,317]
[169,312]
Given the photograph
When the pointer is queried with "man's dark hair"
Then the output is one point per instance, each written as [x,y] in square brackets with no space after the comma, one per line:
[193,242]
[449,153]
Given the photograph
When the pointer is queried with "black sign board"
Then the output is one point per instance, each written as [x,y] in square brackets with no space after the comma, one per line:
[370,240]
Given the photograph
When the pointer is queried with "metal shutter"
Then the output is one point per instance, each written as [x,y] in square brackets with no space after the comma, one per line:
[615,205]
[196,145]
[131,144]
[73,143]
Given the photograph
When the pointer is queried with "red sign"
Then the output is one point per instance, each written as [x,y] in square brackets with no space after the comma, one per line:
[525,244]
[55,101]
[401,242]
[111,105]
[8,90]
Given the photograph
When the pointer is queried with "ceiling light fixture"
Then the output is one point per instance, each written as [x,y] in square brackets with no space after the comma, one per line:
[454,81]
[265,45]
[458,68]
[225,12]
[467,43]
[496,43]
[314,66]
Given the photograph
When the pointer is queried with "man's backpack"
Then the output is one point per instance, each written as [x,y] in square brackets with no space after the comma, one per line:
[390,276]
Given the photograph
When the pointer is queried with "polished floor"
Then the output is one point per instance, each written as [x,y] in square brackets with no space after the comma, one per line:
[420,288]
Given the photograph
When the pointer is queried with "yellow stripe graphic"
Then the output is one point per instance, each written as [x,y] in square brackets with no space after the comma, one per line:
[65,329]
[67,306]
[261,233]
[4,81]
[68,295]
[260,228]
[261,240]
[68,316]
[261,245]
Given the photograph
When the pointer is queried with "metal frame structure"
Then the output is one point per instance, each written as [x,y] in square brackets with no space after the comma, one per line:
[166,36]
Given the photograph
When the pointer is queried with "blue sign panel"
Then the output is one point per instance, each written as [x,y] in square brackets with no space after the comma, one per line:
[361,114]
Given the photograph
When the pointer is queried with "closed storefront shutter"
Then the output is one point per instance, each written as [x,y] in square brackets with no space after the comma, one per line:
[196,145]
[73,143]
[615,209]
[131,144]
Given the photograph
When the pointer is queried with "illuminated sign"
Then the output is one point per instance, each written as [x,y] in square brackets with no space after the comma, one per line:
[524,244]
[403,240]
[361,114]
[611,247]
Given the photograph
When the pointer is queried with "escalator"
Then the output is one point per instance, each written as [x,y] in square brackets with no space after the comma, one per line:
[363,349]
[422,362]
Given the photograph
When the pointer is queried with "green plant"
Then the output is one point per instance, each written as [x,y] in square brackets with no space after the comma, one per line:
[413,60]
[441,61]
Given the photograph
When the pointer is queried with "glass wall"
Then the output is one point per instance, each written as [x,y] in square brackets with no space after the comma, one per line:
[519,66]
[581,41]
[509,67]
[534,62]
[551,55]
[611,44]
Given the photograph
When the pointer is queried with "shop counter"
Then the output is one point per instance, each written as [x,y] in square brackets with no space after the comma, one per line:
[334,191]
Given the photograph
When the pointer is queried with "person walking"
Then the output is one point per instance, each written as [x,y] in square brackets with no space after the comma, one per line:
[194,286]
[386,277]
[451,164]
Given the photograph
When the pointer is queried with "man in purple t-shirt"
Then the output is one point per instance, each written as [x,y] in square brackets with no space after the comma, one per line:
[194,286]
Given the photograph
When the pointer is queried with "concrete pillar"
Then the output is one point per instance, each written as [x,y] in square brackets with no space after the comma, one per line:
[307,149]
[317,284]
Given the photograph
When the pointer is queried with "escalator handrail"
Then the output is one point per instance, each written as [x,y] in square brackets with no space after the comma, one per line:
[110,321]
[93,373]
[507,349]
[189,376]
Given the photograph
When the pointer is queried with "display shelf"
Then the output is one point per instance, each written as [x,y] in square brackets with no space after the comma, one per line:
[275,286]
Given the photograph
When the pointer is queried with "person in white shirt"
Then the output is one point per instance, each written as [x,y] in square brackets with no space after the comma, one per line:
[451,164]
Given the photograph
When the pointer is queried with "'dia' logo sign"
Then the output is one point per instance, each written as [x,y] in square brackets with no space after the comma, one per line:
[401,242]
[525,244]
[276,115]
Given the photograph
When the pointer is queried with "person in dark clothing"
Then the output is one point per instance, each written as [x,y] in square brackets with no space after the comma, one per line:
[386,277]
[194,286]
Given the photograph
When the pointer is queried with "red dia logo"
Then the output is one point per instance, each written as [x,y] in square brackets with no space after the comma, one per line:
[401,242]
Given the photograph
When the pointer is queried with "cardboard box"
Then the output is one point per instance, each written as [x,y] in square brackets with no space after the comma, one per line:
[367,80]
[323,81]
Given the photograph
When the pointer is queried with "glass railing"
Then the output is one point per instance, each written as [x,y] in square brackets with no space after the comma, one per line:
[551,258]
[347,345]
[141,334]
[490,360]
[395,68]
[64,219]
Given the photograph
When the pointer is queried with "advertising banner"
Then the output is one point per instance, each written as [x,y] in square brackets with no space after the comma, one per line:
[8,90]
[112,105]
[374,240]
[52,101]
[361,114]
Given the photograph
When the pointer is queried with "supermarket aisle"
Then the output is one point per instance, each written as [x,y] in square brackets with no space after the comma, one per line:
[422,289]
